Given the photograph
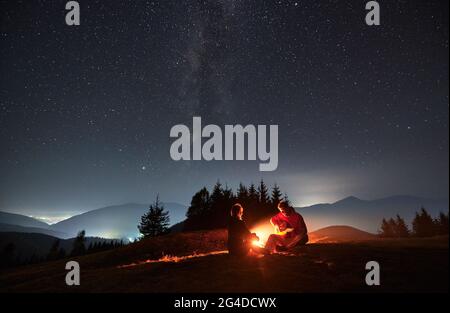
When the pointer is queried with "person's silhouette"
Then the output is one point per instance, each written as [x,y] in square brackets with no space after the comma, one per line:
[290,227]
[239,237]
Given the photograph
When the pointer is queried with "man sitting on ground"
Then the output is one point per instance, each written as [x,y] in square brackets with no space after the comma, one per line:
[290,229]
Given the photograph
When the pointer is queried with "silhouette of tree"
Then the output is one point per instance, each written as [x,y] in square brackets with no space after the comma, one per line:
[155,222]
[401,229]
[253,194]
[423,224]
[211,210]
[78,244]
[392,227]
[7,255]
[224,208]
[221,201]
[276,196]
[53,254]
[200,203]
[386,229]
[263,193]
[199,207]
[252,210]
[217,194]
[442,224]
[242,194]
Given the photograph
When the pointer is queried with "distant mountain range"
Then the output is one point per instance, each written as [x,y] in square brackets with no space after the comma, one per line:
[31,230]
[367,214]
[121,221]
[118,221]
[20,220]
[38,245]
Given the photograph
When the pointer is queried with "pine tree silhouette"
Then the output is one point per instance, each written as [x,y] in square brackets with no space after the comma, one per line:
[199,208]
[53,254]
[78,244]
[210,210]
[442,224]
[276,196]
[200,203]
[401,229]
[386,229]
[263,193]
[242,194]
[423,224]
[155,222]
[253,194]
[392,227]
[217,194]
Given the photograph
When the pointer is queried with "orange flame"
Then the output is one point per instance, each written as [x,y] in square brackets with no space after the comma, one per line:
[263,231]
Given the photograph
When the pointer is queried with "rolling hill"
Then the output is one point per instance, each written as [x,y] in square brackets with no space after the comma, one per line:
[196,262]
[339,234]
[31,230]
[367,214]
[20,220]
[119,221]
[37,245]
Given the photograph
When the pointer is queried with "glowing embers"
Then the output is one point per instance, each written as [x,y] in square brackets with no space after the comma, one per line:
[174,259]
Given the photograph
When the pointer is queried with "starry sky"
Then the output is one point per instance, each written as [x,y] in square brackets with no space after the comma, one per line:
[86,111]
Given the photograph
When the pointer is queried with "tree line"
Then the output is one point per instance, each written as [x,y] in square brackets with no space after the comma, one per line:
[423,225]
[209,210]
[9,256]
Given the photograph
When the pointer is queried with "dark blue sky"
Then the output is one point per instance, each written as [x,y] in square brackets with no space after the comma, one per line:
[85,112]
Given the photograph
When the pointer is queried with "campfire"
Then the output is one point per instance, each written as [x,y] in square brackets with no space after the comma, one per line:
[263,231]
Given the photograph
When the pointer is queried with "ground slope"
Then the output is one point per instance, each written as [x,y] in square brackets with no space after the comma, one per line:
[409,265]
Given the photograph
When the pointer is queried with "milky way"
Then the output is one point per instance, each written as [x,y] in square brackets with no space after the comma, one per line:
[85,111]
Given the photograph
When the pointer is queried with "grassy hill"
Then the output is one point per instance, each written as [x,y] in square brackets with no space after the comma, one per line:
[333,234]
[202,265]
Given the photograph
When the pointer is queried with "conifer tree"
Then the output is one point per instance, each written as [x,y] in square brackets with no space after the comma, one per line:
[423,224]
[155,222]
[401,229]
[78,244]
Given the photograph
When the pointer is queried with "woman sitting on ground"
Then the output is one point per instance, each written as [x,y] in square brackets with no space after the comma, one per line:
[239,237]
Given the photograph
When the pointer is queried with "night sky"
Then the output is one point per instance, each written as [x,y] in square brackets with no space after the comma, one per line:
[86,111]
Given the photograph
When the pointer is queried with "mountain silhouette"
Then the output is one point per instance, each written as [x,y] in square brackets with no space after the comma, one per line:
[118,221]
[339,233]
[367,214]
[20,220]
[38,245]
[32,230]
